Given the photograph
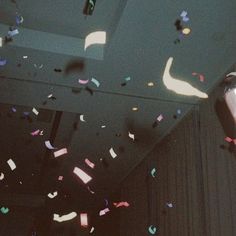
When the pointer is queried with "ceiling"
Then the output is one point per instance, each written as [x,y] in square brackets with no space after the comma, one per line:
[140,39]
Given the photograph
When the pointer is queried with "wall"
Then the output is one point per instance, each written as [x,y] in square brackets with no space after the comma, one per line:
[193,173]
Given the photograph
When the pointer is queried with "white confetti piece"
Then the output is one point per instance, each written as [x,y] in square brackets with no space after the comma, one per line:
[12,33]
[49,145]
[35,111]
[81,117]
[92,230]
[96,82]
[82,175]
[52,195]
[112,152]
[60,152]
[160,118]
[63,218]
[170,205]
[84,219]
[104,211]
[98,37]
[1,176]
[12,164]
[131,135]
[1,41]
[231,74]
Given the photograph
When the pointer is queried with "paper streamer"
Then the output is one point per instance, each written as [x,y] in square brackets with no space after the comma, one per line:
[112,152]
[104,211]
[84,220]
[60,152]
[4,210]
[152,229]
[3,62]
[98,37]
[89,163]
[52,195]
[153,172]
[11,163]
[82,175]
[49,145]
[96,82]
[81,117]
[121,204]
[63,218]
[131,135]
[35,111]
[83,81]
[1,176]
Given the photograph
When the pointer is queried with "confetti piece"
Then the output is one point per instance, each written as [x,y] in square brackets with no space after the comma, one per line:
[200,76]
[106,202]
[40,67]
[25,57]
[89,163]
[4,210]
[11,163]
[81,117]
[83,81]
[103,126]
[153,172]
[1,176]
[231,74]
[60,178]
[35,111]
[52,195]
[179,112]
[35,133]
[112,152]
[150,84]
[3,62]
[60,152]
[84,220]
[98,37]
[13,109]
[25,113]
[120,204]
[127,79]
[134,109]
[184,13]
[131,135]
[12,33]
[63,218]
[104,211]
[92,230]
[160,118]
[228,139]
[186,31]
[185,19]
[82,175]
[90,190]
[96,82]
[152,229]
[1,41]
[49,145]
[170,205]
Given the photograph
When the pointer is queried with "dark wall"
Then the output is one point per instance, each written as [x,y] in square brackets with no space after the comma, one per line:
[195,172]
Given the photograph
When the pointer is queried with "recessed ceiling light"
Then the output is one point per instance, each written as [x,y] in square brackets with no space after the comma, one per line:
[134,109]
[150,84]
[186,31]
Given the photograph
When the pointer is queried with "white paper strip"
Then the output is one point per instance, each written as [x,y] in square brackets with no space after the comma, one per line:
[35,111]
[52,195]
[1,176]
[91,230]
[112,152]
[82,175]
[96,82]
[98,37]
[81,117]
[62,218]
[89,163]
[84,220]
[49,145]
[60,152]
[11,163]
[104,211]
[131,136]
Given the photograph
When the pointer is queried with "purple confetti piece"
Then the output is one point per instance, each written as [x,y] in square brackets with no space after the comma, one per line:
[3,62]
[13,109]
[184,13]
[26,113]
[185,19]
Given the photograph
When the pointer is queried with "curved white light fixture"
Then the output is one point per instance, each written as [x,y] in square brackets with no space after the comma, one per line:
[98,37]
[179,86]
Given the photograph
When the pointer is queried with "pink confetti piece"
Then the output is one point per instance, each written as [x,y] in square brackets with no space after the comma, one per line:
[82,175]
[83,81]
[84,220]
[60,178]
[104,211]
[228,139]
[200,76]
[89,163]
[60,152]
[120,204]
[35,133]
